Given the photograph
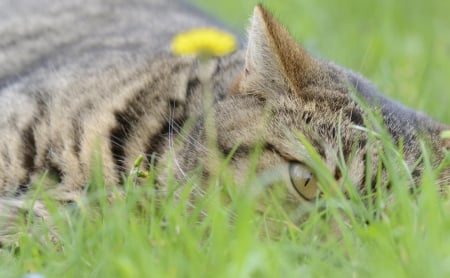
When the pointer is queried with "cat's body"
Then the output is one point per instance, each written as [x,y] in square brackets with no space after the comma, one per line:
[77,77]
[81,68]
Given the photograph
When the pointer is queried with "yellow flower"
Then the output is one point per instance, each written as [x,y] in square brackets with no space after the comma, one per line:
[204,41]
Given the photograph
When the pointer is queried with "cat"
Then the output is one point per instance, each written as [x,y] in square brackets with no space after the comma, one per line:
[84,77]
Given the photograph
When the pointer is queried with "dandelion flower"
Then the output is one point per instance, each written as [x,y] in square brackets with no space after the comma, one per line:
[204,41]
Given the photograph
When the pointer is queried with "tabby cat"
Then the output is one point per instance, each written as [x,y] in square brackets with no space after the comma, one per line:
[93,76]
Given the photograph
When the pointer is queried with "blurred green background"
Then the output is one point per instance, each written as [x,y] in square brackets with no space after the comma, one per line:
[402,46]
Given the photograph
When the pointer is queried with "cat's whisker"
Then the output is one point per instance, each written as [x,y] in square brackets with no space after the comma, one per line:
[171,144]
[187,138]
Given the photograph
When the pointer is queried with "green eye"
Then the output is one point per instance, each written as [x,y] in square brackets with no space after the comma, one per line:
[303,181]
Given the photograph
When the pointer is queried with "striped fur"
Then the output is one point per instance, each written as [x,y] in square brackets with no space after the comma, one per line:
[80,77]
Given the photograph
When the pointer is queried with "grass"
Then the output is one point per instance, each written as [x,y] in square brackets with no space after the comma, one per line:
[404,47]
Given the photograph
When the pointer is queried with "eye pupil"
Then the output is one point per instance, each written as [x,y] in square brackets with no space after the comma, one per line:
[308,179]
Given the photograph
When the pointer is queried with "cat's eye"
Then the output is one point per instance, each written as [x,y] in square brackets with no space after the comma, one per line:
[303,181]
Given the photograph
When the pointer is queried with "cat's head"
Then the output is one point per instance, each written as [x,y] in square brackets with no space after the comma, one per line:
[286,99]
[284,93]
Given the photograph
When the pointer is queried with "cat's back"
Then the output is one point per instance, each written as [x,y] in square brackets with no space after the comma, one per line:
[73,72]
[38,37]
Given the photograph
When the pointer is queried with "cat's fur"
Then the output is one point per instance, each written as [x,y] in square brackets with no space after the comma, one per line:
[82,76]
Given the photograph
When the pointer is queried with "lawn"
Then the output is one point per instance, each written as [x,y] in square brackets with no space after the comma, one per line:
[404,48]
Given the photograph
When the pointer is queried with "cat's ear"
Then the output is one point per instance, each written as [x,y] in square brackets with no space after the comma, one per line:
[273,57]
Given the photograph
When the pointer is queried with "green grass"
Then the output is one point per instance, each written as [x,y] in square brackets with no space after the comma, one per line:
[404,47]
